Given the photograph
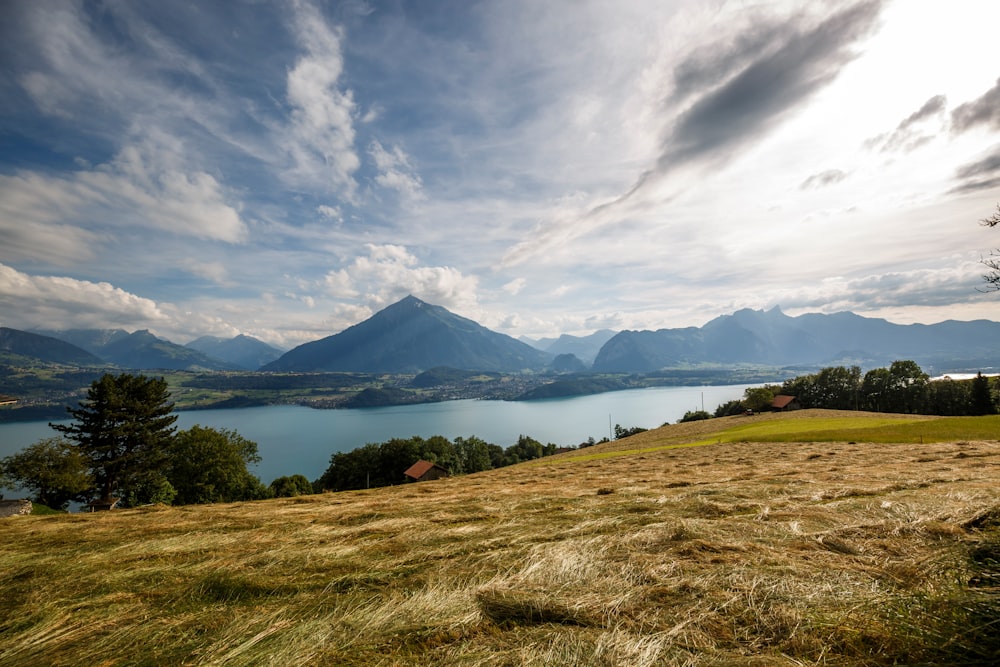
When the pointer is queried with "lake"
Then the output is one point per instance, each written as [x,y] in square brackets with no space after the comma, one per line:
[298,440]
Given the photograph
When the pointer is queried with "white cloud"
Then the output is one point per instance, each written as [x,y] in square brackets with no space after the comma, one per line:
[331,213]
[57,302]
[515,286]
[390,272]
[395,171]
[58,218]
[322,128]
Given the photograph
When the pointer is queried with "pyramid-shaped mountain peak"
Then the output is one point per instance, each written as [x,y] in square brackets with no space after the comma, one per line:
[410,336]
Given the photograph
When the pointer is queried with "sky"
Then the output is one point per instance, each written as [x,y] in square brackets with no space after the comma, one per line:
[286,169]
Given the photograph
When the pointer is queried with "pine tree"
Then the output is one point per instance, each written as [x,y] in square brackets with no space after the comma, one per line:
[124,428]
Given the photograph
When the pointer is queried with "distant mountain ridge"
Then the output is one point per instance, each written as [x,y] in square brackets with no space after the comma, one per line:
[140,350]
[771,337]
[44,348]
[585,348]
[411,336]
[242,351]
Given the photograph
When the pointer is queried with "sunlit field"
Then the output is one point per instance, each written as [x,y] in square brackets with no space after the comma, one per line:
[813,538]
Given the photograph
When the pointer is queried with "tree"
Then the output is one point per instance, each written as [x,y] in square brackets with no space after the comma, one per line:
[209,465]
[473,454]
[900,388]
[730,408]
[124,428]
[992,277]
[760,398]
[289,487]
[53,469]
[623,432]
[694,416]
[981,398]
[949,397]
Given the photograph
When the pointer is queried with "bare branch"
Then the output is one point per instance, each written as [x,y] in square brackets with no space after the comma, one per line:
[993,220]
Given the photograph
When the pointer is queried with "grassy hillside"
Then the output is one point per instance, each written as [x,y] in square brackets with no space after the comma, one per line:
[768,540]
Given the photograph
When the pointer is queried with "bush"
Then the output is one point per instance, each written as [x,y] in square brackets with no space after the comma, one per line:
[290,486]
[694,416]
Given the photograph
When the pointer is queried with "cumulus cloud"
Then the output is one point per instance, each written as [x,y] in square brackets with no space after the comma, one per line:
[55,302]
[390,272]
[984,110]
[909,135]
[322,129]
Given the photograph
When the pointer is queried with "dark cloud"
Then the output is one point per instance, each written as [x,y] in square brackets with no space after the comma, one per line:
[823,179]
[931,107]
[982,111]
[764,85]
[769,85]
[906,137]
[982,174]
[707,66]
[986,166]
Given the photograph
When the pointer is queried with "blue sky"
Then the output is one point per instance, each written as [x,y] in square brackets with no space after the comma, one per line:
[286,169]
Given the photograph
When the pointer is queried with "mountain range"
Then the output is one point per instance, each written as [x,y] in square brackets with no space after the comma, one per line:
[774,338]
[139,350]
[242,351]
[411,336]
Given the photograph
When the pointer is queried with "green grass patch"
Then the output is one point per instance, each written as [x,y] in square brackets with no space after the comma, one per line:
[916,429]
[942,429]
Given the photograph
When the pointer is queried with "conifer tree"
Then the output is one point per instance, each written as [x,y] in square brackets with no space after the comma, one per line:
[124,428]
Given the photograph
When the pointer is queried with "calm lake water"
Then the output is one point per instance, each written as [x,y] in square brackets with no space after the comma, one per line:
[297,440]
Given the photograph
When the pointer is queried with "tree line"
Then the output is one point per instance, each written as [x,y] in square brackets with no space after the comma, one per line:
[903,387]
[382,464]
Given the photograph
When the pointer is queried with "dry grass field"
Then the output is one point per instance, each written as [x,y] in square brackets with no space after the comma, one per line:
[767,540]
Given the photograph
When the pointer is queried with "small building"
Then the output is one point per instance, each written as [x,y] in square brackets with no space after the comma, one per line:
[14,507]
[423,471]
[785,403]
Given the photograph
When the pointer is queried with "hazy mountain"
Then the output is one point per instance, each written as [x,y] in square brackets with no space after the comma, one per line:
[408,337]
[142,350]
[91,340]
[242,351]
[585,348]
[44,348]
[773,338]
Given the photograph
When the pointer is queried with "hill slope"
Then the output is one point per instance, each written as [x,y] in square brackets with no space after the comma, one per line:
[44,348]
[408,337]
[665,548]
[142,350]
